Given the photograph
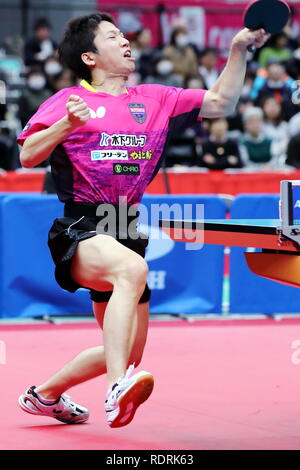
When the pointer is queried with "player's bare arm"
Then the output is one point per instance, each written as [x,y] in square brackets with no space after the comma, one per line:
[40,145]
[222,99]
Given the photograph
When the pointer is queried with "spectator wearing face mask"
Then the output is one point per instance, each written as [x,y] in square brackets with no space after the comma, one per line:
[208,67]
[219,152]
[143,53]
[52,69]
[34,94]
[182,55]
[256,149]
[163,74]
[41,46]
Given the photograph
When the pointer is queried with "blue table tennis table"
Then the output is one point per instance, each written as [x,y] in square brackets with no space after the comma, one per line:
[279,259]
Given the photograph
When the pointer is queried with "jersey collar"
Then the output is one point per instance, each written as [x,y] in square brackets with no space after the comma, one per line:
[89,87]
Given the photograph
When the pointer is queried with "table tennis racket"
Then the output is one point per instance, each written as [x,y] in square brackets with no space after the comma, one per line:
[271,15]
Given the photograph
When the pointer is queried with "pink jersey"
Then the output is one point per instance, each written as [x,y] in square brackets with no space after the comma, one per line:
[119,150]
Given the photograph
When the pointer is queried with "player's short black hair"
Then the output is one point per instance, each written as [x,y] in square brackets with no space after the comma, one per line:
[79,38]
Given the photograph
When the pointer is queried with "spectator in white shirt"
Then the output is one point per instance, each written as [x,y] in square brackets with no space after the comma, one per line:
[275,128]
[208,67]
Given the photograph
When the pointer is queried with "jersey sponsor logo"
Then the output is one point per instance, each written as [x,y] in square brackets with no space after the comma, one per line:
[99,113]
[126,169]
[140,155]
[122,140]
[109,155]
[138,112]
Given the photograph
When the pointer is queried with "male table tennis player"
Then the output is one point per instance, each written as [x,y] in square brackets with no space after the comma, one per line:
[107,141]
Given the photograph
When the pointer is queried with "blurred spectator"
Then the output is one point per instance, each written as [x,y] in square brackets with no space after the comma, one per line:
[219,152]
[275,127]
[34,94]
[235,121]
[9,153]
[163,74]
[256,148]
[275,49]
[13,45]
[276,84]
[143,53]
[5,149]
[248,84]
[182,55]
[57,77]
[293,151]
[208,67]
[65,79]
[3,110]
[41,45]
[52,66]
[293,65]
[182,148]
[195,83]
[294,125]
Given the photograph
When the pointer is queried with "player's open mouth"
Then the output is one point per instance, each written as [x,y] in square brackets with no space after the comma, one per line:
[127,55]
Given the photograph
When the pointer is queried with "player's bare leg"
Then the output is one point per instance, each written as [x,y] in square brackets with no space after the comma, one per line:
[91,362]
[102,263]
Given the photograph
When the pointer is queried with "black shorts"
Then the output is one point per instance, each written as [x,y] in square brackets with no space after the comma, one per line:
[65,234]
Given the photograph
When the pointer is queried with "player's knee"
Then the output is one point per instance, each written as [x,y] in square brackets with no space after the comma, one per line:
[134,272]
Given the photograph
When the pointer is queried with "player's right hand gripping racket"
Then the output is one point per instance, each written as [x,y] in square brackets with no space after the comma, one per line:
[271,15]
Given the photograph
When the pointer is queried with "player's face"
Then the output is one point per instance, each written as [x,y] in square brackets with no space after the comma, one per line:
[114,50]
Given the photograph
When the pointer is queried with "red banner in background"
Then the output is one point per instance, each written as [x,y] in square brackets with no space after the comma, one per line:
[210,23]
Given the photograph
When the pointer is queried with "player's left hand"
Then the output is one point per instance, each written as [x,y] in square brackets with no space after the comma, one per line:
[246,37]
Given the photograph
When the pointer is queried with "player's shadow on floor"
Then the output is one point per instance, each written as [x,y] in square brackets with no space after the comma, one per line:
[54,425]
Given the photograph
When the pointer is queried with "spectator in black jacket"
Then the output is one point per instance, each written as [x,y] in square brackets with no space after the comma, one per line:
[219,152]
[293,152]
[41,45]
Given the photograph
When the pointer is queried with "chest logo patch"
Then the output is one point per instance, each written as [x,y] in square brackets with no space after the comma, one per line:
[138,112]
[99,113]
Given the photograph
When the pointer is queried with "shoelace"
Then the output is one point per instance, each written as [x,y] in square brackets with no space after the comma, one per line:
[121,384]
[68,399]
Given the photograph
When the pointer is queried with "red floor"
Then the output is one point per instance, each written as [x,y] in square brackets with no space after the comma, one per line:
[227,385]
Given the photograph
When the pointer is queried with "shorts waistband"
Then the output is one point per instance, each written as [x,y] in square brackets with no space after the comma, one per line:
[100,210]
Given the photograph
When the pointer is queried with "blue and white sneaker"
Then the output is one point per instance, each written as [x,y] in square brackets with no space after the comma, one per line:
[63,409]
[126,395]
